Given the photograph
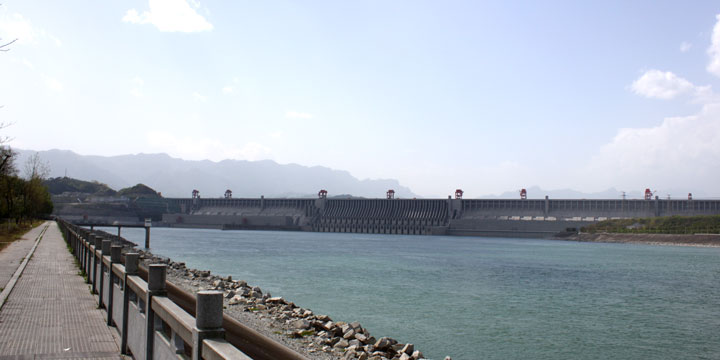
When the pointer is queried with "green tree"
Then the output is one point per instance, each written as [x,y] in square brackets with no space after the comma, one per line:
[36,198]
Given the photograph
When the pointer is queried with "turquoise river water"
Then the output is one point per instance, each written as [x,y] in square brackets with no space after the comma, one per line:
[480,298]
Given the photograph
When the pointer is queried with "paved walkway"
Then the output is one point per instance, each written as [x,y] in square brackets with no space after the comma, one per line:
[13,254]
[50,314]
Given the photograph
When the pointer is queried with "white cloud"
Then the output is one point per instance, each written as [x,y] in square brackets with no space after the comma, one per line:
[27,63]
[681,152]
[714,50]
[193,148]
[170,16]
[661,85]
[227,89]
[685,46]
[15,26]
[57,41]
[138,84]
[298,115]
[50,82]
[132,16]
[54,84]
[201,98]
[253,151]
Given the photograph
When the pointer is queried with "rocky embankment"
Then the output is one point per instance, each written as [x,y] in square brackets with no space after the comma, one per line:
[707,240]
[314,335]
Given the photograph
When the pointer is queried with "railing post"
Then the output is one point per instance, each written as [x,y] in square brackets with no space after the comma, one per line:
[115,252]
[69,240]
[208,320]
[86,256]
[78,245]
[131,268]
[95,241]
[75,241]
[147,237]
[91,255]
[83,254]
[156,287]
[104,251]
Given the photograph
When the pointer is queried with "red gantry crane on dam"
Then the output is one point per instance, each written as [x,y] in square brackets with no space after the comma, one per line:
[649,194]
[458,194]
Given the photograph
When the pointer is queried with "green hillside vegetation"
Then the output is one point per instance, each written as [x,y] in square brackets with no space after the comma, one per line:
[22,200]
[146,202]
[139,191]
[59,185]
[703,224]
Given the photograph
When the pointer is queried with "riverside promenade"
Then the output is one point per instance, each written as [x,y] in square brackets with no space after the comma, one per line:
[50,313]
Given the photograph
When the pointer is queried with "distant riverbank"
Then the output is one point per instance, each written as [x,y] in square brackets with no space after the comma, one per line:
[699,240]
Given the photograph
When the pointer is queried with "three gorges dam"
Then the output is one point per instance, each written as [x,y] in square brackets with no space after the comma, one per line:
[521,217]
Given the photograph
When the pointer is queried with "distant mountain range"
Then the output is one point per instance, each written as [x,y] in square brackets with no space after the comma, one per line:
[536,192]
[177,178]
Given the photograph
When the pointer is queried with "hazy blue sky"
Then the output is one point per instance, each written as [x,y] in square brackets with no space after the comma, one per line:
[486,96]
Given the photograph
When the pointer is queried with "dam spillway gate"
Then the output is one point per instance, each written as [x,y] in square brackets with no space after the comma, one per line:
[381,216]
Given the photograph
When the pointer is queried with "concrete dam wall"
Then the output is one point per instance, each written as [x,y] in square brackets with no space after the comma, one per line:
[501,217]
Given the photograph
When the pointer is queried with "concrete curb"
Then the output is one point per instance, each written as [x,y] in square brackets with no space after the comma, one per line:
[11,284]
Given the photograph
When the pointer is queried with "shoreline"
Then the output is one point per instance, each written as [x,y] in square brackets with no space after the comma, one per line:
[312,335]
[694,240]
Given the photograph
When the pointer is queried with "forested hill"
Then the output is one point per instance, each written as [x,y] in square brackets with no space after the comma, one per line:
[60,185]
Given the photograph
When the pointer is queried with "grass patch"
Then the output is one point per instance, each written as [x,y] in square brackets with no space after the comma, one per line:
[81,271]
[702,224]
[307,332]
[83,274]
[10,232]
